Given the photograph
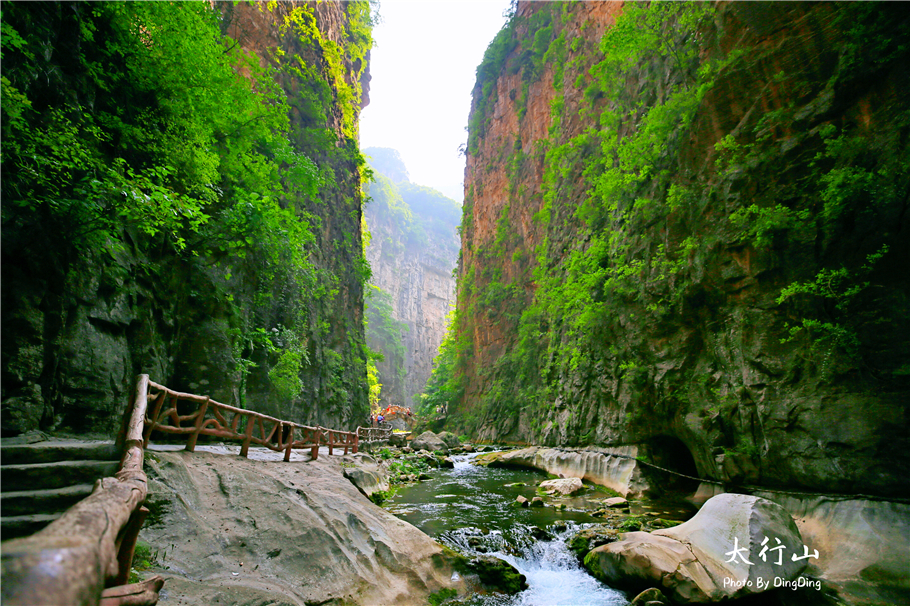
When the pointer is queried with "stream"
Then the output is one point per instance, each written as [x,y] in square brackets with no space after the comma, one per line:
[470,508]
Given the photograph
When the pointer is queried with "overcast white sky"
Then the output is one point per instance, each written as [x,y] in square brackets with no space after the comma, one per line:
[423,66]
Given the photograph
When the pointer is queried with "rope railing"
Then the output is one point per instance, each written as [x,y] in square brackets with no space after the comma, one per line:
[91,545]
[211,418]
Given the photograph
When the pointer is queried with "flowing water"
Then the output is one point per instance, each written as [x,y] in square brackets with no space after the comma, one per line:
[471,509]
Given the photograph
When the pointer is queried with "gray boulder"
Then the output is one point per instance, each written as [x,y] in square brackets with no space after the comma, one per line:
[398,439]
[429,441]
[562,486]
[366,474]
[450,439]
[736,545]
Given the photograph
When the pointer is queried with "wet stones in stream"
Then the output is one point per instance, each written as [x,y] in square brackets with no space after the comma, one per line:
[497,574]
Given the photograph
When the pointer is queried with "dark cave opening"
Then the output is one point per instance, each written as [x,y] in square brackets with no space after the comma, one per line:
[671,454]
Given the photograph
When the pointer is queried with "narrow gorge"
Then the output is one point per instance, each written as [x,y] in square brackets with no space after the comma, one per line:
[412,250]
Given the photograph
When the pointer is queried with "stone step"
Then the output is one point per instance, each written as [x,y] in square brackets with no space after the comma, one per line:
[13,527]
[56,500]
[50,451]
[43,476]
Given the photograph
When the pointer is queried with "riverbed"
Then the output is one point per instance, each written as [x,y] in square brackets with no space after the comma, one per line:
[472,508]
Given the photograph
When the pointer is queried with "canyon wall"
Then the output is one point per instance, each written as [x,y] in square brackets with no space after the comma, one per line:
[685,228]
[182,197]
[413,251]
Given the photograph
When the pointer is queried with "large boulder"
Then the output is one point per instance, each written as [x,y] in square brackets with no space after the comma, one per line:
[398,439]
[735,545]
[365,473]
[450,439]
[562,486]
[250,531]
[429,441]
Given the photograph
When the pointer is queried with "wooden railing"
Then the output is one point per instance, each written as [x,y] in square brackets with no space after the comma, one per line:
[373,434]
[211,418]
[91,545]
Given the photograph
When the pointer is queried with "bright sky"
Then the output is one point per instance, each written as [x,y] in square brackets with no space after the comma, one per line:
[423,67]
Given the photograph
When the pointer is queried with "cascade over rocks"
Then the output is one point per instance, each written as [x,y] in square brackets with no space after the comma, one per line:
[691,562]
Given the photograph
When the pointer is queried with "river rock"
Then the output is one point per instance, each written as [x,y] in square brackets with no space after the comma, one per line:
[537,502]
[862,545]
[398,439]
[650,597]
[498,574]
[365,473]
[522,501]
[698,560]
[244,531]
[562,486]
[429,441]
[587,539]
[450,439]
[616,502]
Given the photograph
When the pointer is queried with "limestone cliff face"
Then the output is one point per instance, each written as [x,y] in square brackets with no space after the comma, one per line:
[685,231]
[80,322]
[412,253]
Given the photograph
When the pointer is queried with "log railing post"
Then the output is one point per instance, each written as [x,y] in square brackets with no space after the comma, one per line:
[356,442]
[153,419]
[191,441]
[290,444]
[314,451]
[128,545]
[247,436]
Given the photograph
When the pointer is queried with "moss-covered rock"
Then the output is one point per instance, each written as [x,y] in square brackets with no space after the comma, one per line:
[587,539]
[497,574]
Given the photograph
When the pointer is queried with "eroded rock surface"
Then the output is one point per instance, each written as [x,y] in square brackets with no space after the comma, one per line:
[257,532]
[736,545]
[562,486]
[365,473]
[621,474]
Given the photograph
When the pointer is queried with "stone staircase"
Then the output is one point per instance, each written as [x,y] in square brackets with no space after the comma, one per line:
[41,480]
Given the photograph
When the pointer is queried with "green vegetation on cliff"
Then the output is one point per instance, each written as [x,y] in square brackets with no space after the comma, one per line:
[685,254]
[204,190]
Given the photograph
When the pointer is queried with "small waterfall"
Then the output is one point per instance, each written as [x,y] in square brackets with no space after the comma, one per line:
[554,576]
[472,509]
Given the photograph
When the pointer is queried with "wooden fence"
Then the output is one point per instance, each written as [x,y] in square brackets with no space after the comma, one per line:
[90,547]
[373,434]
[211,418]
